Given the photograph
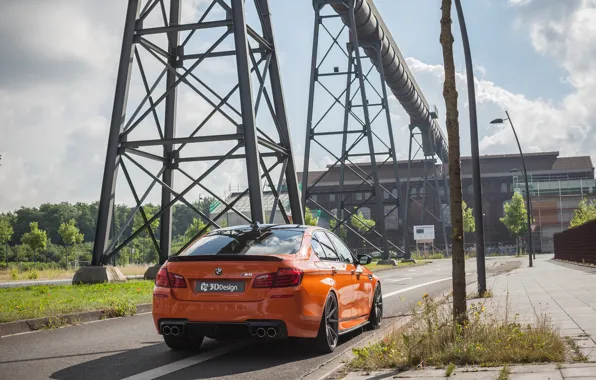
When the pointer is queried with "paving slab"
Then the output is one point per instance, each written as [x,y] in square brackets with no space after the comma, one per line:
[533,368]
[579,371]
[552,375]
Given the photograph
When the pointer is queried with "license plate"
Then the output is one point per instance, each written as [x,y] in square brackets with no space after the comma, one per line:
[219,286]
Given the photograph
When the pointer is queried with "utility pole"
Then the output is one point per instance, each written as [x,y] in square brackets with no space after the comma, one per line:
[480,260]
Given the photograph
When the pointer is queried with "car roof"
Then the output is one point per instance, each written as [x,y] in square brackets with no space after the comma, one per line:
[270,226]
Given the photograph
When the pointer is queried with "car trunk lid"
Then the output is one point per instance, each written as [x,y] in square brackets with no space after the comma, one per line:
[222,277]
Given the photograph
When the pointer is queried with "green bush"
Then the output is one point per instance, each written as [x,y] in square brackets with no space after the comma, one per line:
[33,275]
[14,273]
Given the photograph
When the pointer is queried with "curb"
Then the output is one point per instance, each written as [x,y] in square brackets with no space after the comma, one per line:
[27,325]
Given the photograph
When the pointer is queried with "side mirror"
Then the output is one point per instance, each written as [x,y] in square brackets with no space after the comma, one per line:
[364,259]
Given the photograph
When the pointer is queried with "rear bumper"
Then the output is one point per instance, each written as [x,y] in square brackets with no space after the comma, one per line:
[292,316]
[263,329]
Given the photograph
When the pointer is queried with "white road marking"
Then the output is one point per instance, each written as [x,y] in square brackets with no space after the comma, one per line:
[411,270]
[185,363]
[413,287]
[399,279]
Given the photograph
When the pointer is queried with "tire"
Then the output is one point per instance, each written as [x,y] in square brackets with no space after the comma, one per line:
[376,310]
[183,343]
[328,335]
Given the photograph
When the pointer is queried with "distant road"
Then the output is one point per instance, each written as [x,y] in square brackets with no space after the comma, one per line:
[65,281]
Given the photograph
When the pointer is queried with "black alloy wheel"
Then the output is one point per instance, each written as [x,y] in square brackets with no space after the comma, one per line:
[376,310]
[329,329]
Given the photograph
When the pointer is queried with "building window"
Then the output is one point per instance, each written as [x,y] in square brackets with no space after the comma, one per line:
[442,191]
[313,197]
[394,192]
[503,187]
[365,212]
[331,197]
[413,192]
[366,195]
[385,195]
[358,196]
[470,189]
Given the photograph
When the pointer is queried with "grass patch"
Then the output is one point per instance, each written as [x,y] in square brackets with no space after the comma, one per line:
[486,294]
[504,373]
[427,256]
[375,267]
[431,339]
[52,301]
[450,369]
[58,274]
[576,354]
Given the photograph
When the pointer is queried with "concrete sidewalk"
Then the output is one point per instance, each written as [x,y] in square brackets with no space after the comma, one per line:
[565,292]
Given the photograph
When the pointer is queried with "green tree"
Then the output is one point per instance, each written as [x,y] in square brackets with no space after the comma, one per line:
[195,227]
[585,212]
[360,223]
[309,218]
[6,232]
[35,239]
[343,231]
[70,235]
[515,216]
[138,221]
[468,216]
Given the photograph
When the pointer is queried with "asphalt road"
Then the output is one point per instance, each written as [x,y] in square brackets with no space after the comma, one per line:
[64,281]
[129,348]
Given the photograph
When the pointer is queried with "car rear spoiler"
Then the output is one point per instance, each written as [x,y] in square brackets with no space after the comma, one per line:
[174,259]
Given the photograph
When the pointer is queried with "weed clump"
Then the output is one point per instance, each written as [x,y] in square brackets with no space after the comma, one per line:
[432,339]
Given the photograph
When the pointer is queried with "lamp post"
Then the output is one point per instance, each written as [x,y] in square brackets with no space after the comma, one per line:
[501,121]
[480,260]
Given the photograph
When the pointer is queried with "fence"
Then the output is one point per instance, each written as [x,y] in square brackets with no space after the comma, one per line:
[577,244]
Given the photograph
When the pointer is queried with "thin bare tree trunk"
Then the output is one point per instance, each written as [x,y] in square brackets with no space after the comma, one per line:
[450,95]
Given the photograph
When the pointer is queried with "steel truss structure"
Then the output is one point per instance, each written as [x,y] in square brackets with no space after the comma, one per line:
[430,181]
[360,94]
[259,141]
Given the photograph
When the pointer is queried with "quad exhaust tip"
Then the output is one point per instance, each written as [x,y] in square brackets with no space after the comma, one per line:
[166,330]
[174,330]
[271,332]
[261,332]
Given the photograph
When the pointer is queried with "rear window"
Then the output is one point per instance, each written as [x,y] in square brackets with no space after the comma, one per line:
[247,242]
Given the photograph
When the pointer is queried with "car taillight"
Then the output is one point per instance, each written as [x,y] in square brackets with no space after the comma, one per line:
[161,279]
[167,279]
[283,278]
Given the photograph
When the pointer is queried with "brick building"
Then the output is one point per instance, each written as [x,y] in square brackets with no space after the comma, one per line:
[557,184]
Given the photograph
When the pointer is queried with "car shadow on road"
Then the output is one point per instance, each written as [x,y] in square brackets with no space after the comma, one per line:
[123,364]
[254,357]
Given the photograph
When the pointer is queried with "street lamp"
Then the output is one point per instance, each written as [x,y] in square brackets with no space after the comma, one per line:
[501,121]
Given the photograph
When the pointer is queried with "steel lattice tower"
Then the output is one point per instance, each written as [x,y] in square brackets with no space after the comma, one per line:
[363,101]
[425,151]
[151,131]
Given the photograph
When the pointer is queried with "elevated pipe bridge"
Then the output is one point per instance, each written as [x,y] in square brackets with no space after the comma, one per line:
[370,27]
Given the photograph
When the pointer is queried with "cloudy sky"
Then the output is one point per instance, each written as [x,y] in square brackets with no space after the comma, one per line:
[59,61]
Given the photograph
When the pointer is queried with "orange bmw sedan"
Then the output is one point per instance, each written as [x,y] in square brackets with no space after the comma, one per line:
[265,282]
